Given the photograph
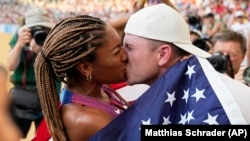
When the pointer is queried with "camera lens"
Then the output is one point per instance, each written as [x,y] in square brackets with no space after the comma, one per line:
[39,34]
[246,75]
[40,37]
[219,62]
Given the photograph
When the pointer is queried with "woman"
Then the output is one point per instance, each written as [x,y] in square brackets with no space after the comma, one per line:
[84,53]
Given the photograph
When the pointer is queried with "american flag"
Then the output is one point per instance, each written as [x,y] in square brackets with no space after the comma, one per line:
[184,95]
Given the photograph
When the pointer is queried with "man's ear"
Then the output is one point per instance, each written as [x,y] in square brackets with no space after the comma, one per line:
[164,53]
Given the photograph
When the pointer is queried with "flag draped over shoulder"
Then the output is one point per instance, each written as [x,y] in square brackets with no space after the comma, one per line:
[183,95]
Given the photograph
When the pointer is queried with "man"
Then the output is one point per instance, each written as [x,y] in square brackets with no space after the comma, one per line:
[241,24]
[184,87]
[233,44]
[25,106]
[211,26]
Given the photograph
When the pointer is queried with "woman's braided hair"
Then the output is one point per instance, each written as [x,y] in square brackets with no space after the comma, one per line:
[70,42]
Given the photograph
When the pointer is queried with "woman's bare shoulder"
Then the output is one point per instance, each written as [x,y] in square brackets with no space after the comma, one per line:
[81,122]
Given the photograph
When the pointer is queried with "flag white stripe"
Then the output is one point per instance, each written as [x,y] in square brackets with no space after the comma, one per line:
[223,93]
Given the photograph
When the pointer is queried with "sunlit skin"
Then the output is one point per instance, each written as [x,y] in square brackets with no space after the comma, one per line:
[142,56]
[111,61]
[210,46]
[8,130]
[34,46]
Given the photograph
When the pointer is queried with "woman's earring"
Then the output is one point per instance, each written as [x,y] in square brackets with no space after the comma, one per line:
[89,77]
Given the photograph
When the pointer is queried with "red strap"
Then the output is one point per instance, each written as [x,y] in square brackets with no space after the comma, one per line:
[27,60]
[42,133]
[118,85]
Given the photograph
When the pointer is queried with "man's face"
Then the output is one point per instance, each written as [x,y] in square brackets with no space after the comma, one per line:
[34,46]
[233,49]
[142,61]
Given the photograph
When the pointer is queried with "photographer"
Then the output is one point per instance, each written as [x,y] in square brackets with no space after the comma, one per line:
[25,44]
[233,45]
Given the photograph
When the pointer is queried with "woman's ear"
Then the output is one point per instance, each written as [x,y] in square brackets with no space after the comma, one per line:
[84,68]
[164,54]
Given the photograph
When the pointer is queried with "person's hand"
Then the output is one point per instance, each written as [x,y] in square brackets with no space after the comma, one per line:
[24,37]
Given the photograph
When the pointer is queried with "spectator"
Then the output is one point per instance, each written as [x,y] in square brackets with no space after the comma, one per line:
[194,35]
[85,53]
[233,44]
[209,44]
[25,106]
[184,87]
[241,24]
[211,26]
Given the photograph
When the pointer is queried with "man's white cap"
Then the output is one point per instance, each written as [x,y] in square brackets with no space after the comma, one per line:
[163,23]
[239,13]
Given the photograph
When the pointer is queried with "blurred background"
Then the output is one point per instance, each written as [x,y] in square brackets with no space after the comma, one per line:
[12,13]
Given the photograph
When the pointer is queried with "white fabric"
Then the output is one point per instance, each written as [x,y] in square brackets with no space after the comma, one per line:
[239,13]
[233,95]
[131,93]
[241,93]
[163,23]
[242,28]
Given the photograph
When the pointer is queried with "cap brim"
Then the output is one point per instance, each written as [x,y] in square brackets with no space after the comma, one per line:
[44,24]
[193,50]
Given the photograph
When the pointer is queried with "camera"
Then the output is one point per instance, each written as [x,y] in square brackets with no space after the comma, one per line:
[220,62]
[246,74]
[39,33]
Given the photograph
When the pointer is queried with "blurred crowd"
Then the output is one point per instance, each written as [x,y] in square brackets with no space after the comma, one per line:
[13,11]
[194,10]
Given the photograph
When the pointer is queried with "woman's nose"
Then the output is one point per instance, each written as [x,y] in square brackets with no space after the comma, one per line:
[124,55]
